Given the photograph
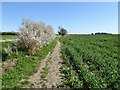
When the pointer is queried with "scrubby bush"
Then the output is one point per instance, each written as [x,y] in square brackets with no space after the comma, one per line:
[34,35]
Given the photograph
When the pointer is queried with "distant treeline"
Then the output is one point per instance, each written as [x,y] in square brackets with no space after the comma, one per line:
[98,33]
[8,33]
[102,33]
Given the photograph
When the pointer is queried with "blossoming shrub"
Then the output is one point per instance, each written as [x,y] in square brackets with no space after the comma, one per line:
[34,35]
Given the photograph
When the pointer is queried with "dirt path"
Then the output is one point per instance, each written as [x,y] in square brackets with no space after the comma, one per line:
[53,75]
[9,40]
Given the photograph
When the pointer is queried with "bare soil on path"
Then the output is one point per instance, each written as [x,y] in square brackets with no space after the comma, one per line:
[9,40]
[53,77]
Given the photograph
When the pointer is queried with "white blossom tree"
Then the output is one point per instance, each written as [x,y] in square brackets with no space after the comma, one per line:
[34,35]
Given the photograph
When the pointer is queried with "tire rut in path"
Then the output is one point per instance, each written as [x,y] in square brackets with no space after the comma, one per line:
[53,62]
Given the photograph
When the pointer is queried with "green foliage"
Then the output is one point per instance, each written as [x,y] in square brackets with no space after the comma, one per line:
[3,55]
[44,73]
[62,31]
[93,59]
[5,45]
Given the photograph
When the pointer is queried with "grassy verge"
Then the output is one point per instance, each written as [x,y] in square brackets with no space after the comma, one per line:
[25,67]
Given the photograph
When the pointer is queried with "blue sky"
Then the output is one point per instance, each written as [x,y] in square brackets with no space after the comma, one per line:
[82,17]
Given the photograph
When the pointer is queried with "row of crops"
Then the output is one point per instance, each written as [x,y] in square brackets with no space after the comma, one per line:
[91,61]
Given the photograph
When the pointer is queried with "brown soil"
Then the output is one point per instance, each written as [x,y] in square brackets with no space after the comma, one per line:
[53,77]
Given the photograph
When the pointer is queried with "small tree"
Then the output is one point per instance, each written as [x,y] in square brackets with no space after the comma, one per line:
[62,31]
[91,33]
[34,35]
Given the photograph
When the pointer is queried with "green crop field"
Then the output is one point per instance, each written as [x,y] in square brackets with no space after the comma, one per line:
[5,37]
[90,61]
